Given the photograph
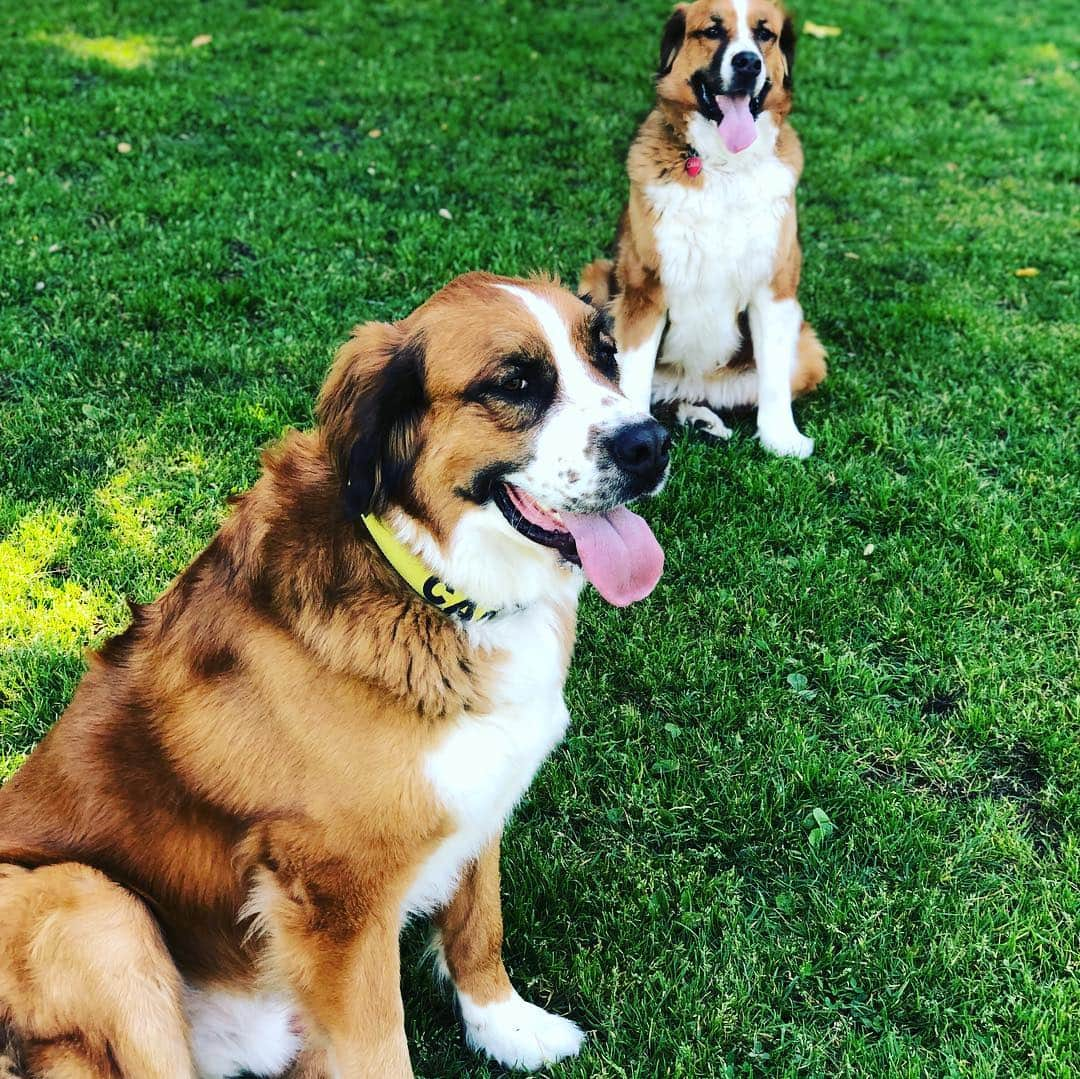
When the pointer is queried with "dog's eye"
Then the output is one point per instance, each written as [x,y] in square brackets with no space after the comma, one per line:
[515,384]
[764,35]
[605,357]
[519,389]
[713,33]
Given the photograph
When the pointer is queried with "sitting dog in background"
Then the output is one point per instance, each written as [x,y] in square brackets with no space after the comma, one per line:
[707,259]
[313,734]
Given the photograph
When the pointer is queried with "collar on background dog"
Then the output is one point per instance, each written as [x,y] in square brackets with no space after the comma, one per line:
[421,580]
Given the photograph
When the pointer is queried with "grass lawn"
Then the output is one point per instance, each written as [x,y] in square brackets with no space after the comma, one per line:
[886,634]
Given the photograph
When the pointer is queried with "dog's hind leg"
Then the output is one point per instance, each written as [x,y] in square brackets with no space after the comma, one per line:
[701,419]
[736,386]
[698,403]
[65,1059]
[87,986]
[597,282]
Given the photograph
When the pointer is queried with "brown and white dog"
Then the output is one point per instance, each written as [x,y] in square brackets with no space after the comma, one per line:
[311,736]
[707,261]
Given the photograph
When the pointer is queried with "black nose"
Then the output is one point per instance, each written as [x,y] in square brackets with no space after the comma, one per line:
[641,451]
[747,64]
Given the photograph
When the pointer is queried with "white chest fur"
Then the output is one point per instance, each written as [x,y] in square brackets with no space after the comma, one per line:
[486,762]
[717,243]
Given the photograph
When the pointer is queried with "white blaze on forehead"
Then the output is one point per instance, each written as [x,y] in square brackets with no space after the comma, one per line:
[743,41]
[565,472]
[742,19]
[571,367]
[555,329]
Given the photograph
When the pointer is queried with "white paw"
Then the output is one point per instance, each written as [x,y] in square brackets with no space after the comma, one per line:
[517,1034]
[786,442]
[234,1033]
[700,418]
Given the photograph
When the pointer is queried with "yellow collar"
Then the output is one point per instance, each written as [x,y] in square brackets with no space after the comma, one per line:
[420,579]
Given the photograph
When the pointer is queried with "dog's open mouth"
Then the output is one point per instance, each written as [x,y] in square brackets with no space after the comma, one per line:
[616,550]
[734,113]
[535,523]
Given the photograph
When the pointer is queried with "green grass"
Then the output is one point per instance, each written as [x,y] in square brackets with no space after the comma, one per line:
[887,632]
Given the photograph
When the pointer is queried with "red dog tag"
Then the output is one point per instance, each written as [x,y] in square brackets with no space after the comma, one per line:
[693,165]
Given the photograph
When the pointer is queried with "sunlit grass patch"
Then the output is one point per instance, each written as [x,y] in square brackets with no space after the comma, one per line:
[1053,61]
[129,514]
[10,764]
[46,620]
[37,603]
[127,53]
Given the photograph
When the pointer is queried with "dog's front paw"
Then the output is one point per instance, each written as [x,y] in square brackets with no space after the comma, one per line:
[702,420]
[786,442]
[517,1034]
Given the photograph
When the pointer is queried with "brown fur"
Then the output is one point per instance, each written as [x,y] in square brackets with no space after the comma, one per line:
[470,932]
[74,941]
[597,282]
[235,795]
[629,284]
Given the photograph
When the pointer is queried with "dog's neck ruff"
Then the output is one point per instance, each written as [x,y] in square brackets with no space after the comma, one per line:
[691,158]
[427,585]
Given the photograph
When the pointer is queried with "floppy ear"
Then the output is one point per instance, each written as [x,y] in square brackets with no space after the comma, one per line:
[671,40]
[370,411]
[787,48]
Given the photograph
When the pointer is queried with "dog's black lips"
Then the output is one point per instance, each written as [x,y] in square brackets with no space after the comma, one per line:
[706,98]
[758,103]
[562,542]
[707,94]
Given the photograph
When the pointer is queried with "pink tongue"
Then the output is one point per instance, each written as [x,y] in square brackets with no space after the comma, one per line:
[737,128]
[618,553]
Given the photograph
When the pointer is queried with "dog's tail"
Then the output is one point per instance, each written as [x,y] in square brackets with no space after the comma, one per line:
[810,365]
[597,283]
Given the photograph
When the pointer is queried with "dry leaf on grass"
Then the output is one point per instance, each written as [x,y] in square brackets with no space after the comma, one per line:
[1027,271]
[199,40]
[816,29]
